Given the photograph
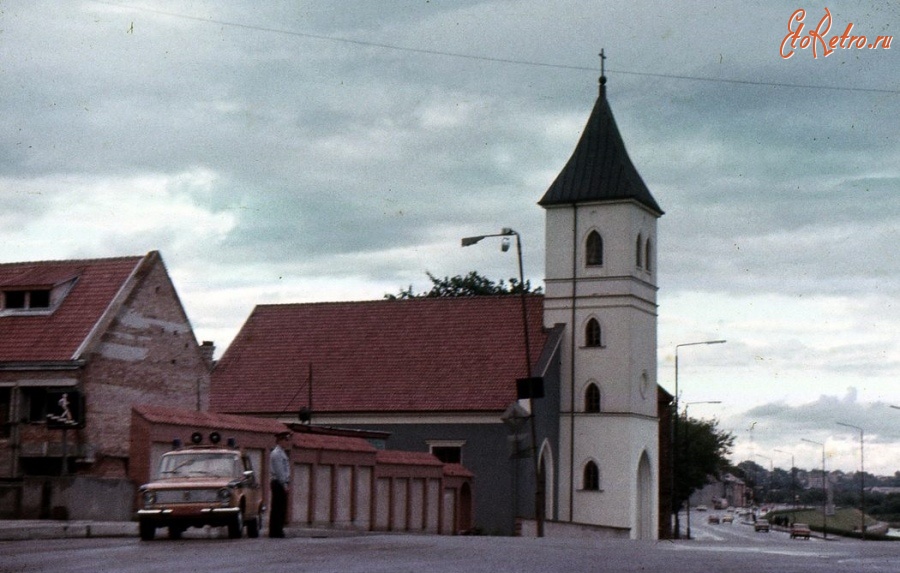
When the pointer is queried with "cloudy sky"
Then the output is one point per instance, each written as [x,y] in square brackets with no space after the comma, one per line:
[311,150]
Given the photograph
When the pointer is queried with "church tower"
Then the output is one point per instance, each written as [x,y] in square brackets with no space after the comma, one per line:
[601,279]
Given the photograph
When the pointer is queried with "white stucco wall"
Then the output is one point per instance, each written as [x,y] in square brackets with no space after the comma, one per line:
[621,295]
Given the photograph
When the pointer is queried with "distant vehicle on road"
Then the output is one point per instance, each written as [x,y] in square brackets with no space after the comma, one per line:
[713,518]
[761,525]
[728,518]
[800,530]
[702,508]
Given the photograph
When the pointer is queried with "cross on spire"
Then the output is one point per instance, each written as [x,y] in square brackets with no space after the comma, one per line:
[602,71]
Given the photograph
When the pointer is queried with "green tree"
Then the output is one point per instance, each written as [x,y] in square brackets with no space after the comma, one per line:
[472,284]
[701,451]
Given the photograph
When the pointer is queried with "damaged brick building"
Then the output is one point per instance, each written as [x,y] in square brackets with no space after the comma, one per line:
[81,341]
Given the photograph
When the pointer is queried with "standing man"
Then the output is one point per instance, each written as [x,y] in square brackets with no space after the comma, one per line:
[280,474]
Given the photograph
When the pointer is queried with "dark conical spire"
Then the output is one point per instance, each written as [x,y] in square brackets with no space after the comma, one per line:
[599,169]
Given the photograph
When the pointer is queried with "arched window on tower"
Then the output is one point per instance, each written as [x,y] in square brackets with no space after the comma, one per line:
[594,250]
[593,336]
[592,399]
[591,478]
[649,254]
[639,251]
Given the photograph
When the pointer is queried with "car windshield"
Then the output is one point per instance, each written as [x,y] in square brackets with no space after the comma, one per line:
[199,464]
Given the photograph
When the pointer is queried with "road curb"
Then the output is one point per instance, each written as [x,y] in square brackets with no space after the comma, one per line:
[25,530]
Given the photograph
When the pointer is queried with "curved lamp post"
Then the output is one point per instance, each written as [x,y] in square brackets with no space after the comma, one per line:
[771,470]
[824,490]
[675,433]
[506,232]
[862,480]
[793,494]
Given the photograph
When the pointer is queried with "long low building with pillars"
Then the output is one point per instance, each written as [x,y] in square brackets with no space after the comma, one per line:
[339,481]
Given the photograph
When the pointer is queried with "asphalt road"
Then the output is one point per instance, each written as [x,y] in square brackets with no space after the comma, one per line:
[715,548]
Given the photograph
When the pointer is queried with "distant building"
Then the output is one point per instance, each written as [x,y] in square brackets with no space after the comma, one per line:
[814,480]
[726,491]
[81,341]
[886,490]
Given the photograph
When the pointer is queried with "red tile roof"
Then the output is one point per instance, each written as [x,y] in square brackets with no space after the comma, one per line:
[457,470]
[302,440]
[421,355]
[325,442]
[57,336]
[398,458]
[193,418]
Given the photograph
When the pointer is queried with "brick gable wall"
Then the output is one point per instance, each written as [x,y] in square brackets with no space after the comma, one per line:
[148,355]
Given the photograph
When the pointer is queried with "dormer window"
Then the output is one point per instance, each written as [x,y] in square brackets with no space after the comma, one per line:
[34,292]
[14,299]
[26,299]
[39,299]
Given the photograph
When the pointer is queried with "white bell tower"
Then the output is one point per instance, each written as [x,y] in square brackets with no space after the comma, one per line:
[601,244]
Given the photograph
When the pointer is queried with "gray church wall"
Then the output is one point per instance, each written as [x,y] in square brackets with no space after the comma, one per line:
[503,484]
[486,453]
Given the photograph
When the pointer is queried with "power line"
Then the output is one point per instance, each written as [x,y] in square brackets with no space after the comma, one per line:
[476,57]
[758,83]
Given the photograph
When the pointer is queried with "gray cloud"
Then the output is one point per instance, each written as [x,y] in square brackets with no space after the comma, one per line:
[270,163]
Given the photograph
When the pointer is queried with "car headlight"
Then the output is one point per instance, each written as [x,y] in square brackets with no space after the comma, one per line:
[149,498]
[224,496]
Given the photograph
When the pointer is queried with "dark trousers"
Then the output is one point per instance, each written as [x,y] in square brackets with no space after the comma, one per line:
[278,510]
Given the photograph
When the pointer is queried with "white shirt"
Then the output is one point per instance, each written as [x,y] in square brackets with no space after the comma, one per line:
[279,465]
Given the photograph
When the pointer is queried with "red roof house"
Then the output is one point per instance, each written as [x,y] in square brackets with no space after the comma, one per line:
[431,355]
[81,341]
[435,375]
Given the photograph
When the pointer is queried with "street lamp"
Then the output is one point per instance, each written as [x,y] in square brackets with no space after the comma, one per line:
[771,464]
[771,469]
[793,494]
[862,480]
[824,490]
[686,405]
[506,232]
[675,432]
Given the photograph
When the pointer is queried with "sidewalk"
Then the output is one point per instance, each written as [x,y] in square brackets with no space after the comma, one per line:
[20,529]
[24,529]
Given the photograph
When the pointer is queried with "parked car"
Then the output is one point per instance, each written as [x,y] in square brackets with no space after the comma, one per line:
[701,508]
[800,530]
[202,485]
[728,518]
[713,518]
